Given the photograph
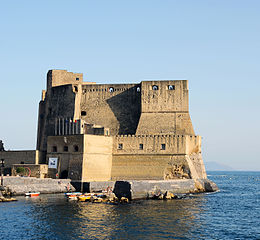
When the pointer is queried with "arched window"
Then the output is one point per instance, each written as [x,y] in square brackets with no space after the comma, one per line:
[75,88]
[171,87]
[76,148]
[111,89]
[138,89]
[155,87]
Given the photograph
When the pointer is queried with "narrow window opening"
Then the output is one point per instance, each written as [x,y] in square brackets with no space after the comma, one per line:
[171,87]
[77,79]
[163,147]
[76,148]
[22,162]
[120,146]
[141,146]
[75,88]
[65,149]
[54,149]
[138,89]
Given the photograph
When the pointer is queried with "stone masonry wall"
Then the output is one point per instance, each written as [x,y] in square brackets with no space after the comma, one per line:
[153,161]
[62,77]
[155,166]
[69,160]
[152,144]
[21,185]
[97,161]
[114,106]
[17,157]
[165,108]
[59,102]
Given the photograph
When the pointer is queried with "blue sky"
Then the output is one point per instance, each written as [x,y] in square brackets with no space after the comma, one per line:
[214,44]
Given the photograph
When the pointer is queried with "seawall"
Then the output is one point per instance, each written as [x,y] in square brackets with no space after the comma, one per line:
[21,185]
[145,189]
[132,189]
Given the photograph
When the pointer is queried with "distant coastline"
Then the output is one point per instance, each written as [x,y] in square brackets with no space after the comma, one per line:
[214,166]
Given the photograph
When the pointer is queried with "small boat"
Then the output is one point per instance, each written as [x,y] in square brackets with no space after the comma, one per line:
[73,193]
[32,194]
[72,197]
[84,198]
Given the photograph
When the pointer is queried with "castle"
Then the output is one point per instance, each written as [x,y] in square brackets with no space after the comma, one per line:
[101,132]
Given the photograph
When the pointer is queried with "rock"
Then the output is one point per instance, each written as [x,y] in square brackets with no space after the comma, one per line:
[199,187]
[2,199]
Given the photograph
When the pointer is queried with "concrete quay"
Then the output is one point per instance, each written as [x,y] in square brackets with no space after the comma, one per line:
[131,189]
[21,185]
[145,189]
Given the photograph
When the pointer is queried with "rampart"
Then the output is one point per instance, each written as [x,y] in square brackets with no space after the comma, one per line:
[157,157]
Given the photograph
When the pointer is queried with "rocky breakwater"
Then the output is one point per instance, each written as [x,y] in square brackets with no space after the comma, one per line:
[21,185]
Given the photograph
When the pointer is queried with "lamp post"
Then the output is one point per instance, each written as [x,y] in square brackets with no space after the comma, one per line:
[2,174]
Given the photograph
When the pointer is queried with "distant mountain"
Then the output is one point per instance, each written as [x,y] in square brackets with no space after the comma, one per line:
[214,166]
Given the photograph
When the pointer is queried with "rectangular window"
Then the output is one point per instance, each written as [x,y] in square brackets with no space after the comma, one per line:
[120,146]
[141,146]
[65,149]
[54,148]
[163,146]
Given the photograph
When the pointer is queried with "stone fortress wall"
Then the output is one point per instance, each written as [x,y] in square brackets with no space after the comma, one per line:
[124,108]
[166,110]
[114,106]
[20,157]
[152,113]
[157,157]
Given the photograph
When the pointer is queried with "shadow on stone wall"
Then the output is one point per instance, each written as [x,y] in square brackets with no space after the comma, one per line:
[84,187]
[122,189]
[126,107]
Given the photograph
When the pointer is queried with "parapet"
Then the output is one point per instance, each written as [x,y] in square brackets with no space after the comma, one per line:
[156,144]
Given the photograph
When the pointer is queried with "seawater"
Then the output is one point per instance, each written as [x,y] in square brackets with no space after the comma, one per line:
[231,213]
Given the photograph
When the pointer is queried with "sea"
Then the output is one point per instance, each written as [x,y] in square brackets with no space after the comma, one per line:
[231,213]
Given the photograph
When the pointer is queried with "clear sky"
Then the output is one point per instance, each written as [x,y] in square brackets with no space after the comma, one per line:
[215,44]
